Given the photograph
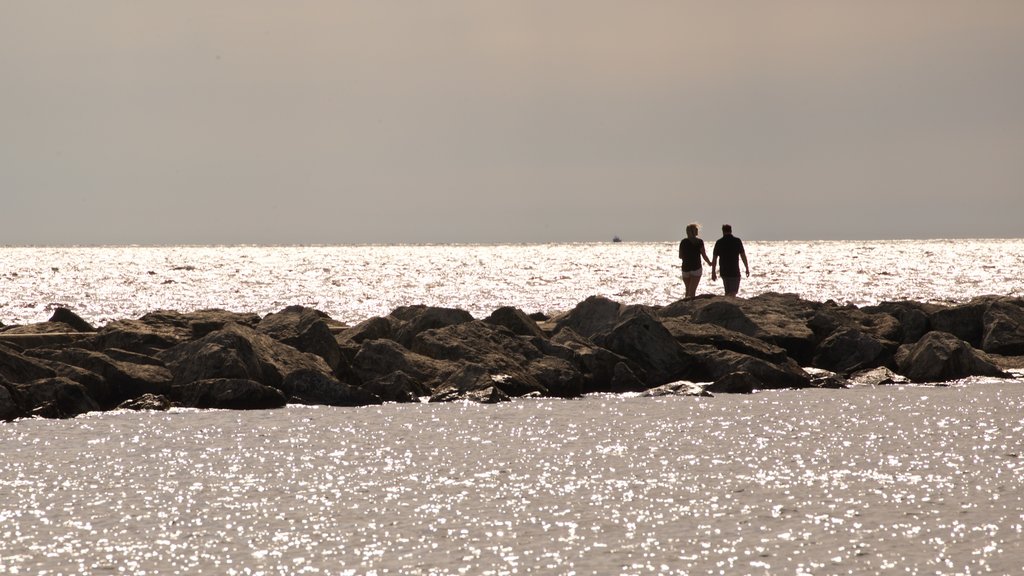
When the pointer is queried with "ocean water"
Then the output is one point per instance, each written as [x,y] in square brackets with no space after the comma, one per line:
[896,479]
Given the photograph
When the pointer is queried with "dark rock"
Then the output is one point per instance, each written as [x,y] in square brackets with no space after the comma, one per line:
[69,318]
[713,364]
[644,340]
[238,352]
[55,398]
[602,370]
[515,320]
[941,357]
[97,386]
[379,358]
[687,332]
[417,319]
[880,325]
[779,319]
[17,368]
[474,383]
[736,383]
[126,380]
[307,386]
[559,377]
[132,357]
[152,402]
[164,329]
[9,408]
[965,321]
[39,328]
[595,315]
[912,316]
[375,328]
[1003,323]
[304,329]
[397,387]
[848,349]
[229,394]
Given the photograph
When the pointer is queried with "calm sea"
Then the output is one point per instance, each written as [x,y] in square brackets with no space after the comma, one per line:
[908,479]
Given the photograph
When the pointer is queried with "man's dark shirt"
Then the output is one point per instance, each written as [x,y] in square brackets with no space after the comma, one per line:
[728,249]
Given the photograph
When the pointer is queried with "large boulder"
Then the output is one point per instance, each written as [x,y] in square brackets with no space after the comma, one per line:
[238,352]
[164,329]
[501,352]
[125,380]
[848,349]
[474,383]
[687,332]
[55,398]
[711,364]
[397,386]
[1003,328]
[779,319]
[736,383]
[416,319]
[601,369]
[69,318]
[307,386]
[380,358]
[304,329]
[941,357]
[965,321]
[516,321]
[229,394]
[9,408]
[16,367]
[912,316]
[645,341]
[830,318]
[593,316]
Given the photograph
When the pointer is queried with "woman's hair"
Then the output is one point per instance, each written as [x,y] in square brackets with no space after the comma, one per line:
[692,226]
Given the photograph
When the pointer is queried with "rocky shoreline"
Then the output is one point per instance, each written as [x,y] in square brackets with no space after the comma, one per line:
[708,345]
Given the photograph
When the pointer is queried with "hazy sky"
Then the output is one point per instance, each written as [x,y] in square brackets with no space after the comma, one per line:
[336,121]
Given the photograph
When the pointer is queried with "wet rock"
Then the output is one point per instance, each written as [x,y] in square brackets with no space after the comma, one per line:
[941,357]
[473,383]
[736,383]
[1003,328]
[397,387]
[880,376]
[147,402]
[306,386]
[229,394]
[55,398]
[681,388]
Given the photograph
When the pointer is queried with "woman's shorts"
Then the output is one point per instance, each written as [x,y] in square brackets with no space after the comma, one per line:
[693,273]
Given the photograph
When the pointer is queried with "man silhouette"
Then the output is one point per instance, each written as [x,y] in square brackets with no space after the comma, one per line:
[730,249]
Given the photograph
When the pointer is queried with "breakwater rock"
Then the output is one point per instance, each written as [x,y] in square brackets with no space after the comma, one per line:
[708,345]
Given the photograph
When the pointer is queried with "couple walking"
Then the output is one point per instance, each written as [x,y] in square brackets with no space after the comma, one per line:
[728,249]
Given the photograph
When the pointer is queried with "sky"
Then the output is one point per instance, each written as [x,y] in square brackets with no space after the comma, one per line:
[345,121]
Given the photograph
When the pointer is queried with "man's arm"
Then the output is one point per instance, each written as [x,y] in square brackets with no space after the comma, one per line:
[714,262]
[743,255]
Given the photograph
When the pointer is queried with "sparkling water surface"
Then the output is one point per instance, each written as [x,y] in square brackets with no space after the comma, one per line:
[917,480]
[900,479]
[352,283]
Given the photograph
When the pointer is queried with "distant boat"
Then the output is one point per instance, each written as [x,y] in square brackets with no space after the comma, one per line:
[616,239]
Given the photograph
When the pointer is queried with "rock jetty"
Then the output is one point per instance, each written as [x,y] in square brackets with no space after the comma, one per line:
[708,345]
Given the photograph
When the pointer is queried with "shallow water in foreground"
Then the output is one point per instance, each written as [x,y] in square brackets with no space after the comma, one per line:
[919,480]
